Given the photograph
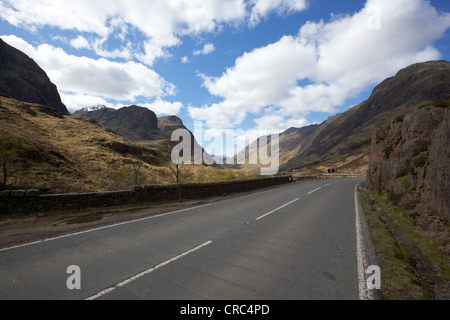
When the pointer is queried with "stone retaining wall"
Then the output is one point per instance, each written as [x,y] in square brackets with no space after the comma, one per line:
[27,201]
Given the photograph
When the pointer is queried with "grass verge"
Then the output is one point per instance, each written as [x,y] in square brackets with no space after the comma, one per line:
[412,265]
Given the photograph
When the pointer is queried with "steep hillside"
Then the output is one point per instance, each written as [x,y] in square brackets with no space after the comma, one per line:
[133,122]
[22,79]
[343,141]
[61,153]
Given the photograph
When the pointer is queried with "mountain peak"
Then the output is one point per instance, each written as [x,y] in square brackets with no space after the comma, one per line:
[132,122]
[21,78]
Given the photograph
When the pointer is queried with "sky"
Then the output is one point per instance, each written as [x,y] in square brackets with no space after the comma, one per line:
[263,65]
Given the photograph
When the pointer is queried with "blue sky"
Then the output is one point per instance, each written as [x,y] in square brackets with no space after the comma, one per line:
[249,64]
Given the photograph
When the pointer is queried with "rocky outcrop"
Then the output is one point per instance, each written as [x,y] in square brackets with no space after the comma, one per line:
[410,159]
[133,122]
[22,79]
[144,154]
[168,124]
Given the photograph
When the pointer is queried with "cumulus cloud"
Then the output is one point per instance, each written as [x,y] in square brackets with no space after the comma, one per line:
[80,43]
[141,31]
[82,76]
[325,64]
[207,49]
[161,107]
[262,8]
[75,102]
[161,24]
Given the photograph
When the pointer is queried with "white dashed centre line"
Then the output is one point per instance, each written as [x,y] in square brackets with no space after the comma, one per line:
[314,190]
[125,282]
[265,215]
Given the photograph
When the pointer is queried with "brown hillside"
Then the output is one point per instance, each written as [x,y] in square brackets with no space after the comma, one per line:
[61,153]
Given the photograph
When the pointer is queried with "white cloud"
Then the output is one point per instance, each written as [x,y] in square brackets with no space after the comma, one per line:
[207,49]
[161,107]
[278,123]
[80,43]
[325,64]
[185,59]
[82,76]
[76,102]
[262,8]
[160,23]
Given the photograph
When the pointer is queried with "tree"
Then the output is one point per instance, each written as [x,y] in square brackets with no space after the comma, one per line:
[174,165]
[8,151]
[170,158]
[137,165]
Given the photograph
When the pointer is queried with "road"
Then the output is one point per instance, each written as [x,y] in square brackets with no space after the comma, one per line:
[296,241]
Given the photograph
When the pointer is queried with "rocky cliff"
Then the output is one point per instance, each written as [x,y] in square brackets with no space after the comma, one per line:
[133,122]
[22,79]
[410,159]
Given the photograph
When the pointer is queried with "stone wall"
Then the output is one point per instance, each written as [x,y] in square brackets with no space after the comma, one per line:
[27,201]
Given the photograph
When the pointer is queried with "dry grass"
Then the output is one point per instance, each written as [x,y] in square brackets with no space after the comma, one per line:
[61,154]
[413,265]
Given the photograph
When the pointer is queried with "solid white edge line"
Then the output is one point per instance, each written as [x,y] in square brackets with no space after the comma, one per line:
[129,280]
[364,293]
[265,215]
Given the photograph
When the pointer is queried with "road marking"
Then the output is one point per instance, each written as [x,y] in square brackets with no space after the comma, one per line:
[364,292]
[265,215]
[314,190]
[129,280]
[104,227]
[328,185]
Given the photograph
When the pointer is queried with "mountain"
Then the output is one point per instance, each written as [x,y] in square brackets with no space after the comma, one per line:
[89,109]
[140,124]
[344,140]
[133,122]
[168,124]
[22,79]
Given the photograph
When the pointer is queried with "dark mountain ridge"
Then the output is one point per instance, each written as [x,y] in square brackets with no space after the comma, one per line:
[133,122]
[21,78]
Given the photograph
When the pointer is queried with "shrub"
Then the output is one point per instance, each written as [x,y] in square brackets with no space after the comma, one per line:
[423,147]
